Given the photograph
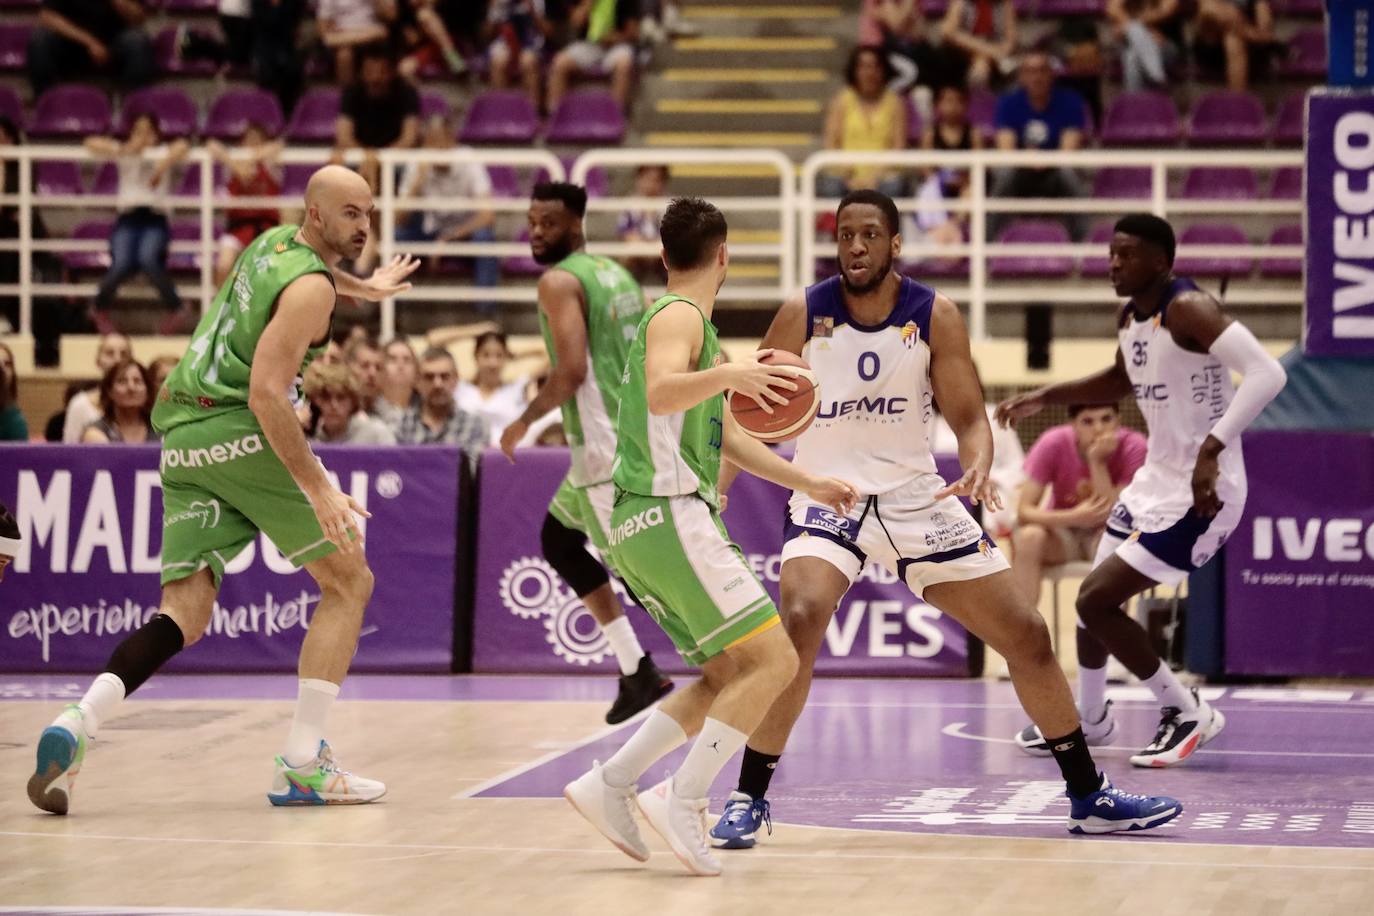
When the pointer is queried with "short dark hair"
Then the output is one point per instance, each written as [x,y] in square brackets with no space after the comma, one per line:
[498,336]
[851,66]
[436,353]
[573,196]
[692,230]
[1150,228]
[876,199]
[1076,409]
[377,50]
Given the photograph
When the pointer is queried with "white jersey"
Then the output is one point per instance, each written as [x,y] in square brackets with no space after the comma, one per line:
[872,428]
[1181,395]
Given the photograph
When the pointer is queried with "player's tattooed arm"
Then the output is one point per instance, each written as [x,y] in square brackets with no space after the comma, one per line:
[955,385]
[561,301]
[1102,387]
[788,330]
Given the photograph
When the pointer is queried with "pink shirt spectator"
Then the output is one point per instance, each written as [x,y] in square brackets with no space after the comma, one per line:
[1054,461]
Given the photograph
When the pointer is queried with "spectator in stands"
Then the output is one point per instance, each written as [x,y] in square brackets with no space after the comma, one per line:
[333,354]
[1233,36]
[252,173]
[1084,464]
[436,181]
[607,31]
[126,405]
[396,394]
[921,66]
[158,370]
[76,37]
[498,401]
[1080,48]
[10,539]
[139,239]
[642,225]
[437,419]
[10,135]
[865,115]
[13,427]
[83,406]
[1150,33]
[232,47]
[337,397]
[1038,115]
[345,26]
[516,31]
[420,34]
[278,65]
[364,360]
[379,111]
[985,31]
[950,130]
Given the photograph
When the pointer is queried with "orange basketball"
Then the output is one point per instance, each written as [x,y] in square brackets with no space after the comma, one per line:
[787,421]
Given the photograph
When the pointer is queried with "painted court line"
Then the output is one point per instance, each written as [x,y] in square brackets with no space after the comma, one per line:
[818,856]
[956,730]
[524,768]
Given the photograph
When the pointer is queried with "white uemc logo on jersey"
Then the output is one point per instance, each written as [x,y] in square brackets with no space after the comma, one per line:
[531,590]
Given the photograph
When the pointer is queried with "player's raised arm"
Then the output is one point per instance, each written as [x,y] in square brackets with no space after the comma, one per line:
[1104,387]
[560,299]
[954,382]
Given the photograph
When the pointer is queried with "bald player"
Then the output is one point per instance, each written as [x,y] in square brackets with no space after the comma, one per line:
[235,462]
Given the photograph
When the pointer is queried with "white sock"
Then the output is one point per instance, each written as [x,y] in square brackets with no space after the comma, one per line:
[714,747]
[624,643]
[307,725]
[659,734]
[101,700]
[1092,691]
[1165,685]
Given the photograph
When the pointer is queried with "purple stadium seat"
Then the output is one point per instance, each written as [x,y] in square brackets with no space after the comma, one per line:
[589,117]
[185,261]
[1123,181]
[230,113]
[314,116]
[1206,183]
[1213,234]
[932,8]
[1288,126]
[982,111]
[1028,231]
[1288,9]
[189,6]
[1306,55]
[164,54]
[1227,119]
[597,184]
[57,177]
[521,265]
[1098,265]
[1287,184]
[11,106]
[90,260]
[294,177]
[500,116]
[106,179]
[176,113]
[190,180]
[1065,8]
[71,111]
[433,103]
[1283,268]
[14,44]
[505,181]
[1141,119]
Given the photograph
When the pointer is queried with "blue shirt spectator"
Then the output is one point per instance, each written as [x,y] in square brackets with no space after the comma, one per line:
[1039,114]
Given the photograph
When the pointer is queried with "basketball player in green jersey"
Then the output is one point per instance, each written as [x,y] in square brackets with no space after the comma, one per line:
[672,548]
[235,462]
[589,308]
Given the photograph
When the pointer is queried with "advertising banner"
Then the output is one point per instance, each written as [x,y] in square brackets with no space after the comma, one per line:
[1339,312]
[1300,567]
[528,620]
[91,519]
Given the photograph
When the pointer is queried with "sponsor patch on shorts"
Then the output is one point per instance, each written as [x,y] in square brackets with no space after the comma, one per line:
[822,518]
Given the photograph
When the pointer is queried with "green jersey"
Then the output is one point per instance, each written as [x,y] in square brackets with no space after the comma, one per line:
[212,377]
[615,303]
[675,455]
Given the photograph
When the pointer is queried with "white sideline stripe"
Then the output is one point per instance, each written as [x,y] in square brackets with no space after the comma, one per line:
[956,730]
[550,756]
[812,857]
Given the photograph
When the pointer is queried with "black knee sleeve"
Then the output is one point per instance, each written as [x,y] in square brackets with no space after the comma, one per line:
[566,551]
[148,649]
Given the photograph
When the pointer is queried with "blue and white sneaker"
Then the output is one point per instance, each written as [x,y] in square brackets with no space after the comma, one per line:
[1109,810]
[61,749]
[738,827]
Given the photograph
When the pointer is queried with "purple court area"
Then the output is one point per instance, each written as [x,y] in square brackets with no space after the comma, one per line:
[935,756]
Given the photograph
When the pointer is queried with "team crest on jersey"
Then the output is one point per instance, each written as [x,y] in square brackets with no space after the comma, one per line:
[985,547]
[909,331]
[823,326]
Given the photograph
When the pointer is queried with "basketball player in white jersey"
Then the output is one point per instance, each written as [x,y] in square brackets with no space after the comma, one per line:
[1177,353]
[883,347]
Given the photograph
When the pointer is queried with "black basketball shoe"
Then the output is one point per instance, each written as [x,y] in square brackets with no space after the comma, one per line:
[639,691]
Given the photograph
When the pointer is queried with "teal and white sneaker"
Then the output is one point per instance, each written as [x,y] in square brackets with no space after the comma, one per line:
[61,749]
[321,782]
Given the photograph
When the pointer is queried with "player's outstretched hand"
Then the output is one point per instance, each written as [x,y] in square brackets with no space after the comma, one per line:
[336,512]
[390,279]
[1019,407]
[511,436]
[836,494]
[761,383]
[977,486]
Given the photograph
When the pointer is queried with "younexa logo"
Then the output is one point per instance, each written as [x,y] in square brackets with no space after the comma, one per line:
[1352,231]
[635,524]
[1342,540]
[882,406]
[219,453]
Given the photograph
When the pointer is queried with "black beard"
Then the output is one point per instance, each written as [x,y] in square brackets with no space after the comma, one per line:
[871,285]
[553,253]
